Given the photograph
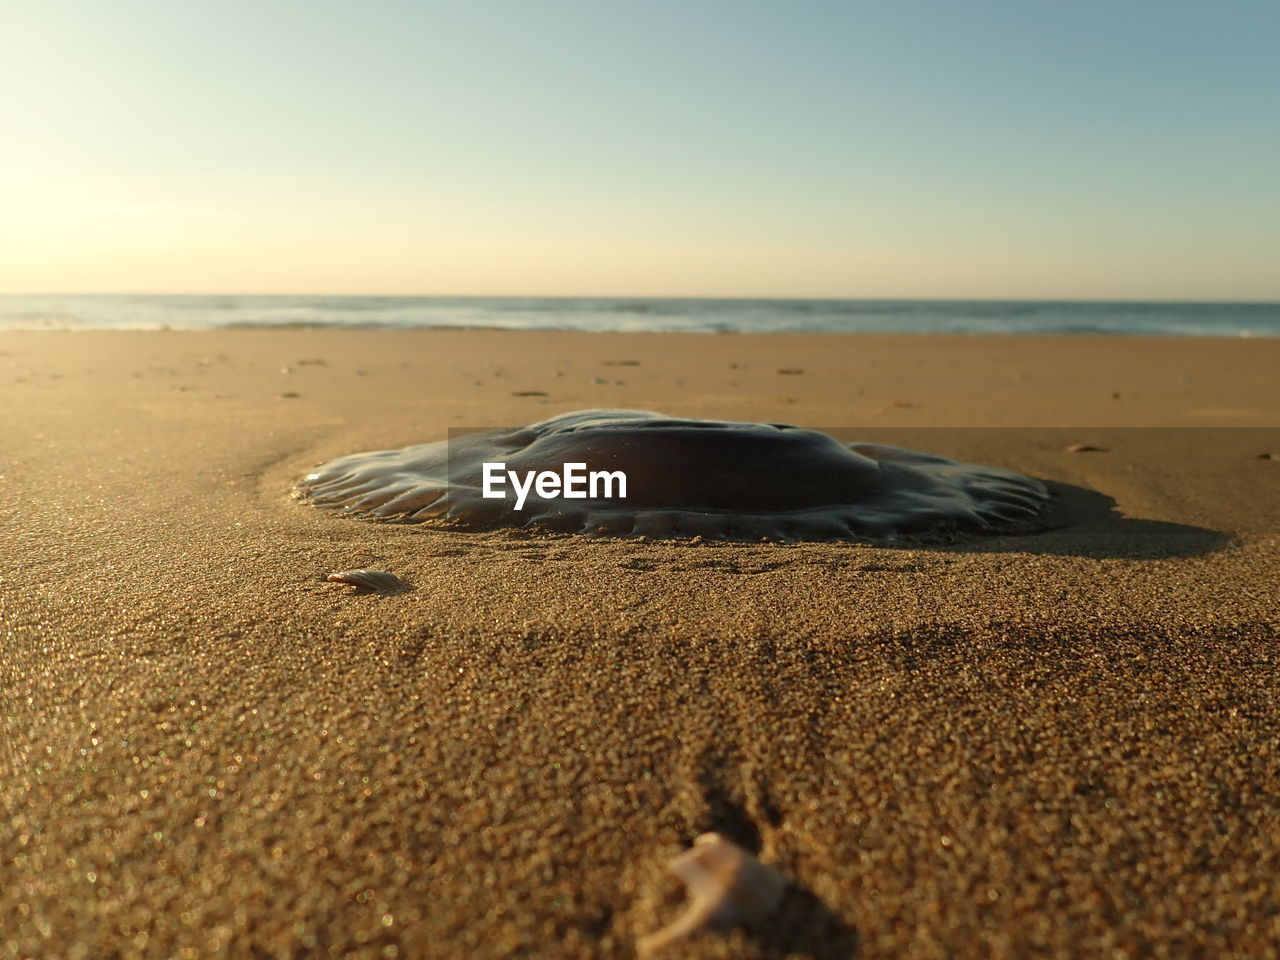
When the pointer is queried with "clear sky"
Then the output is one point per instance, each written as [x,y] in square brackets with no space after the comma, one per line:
[913,148]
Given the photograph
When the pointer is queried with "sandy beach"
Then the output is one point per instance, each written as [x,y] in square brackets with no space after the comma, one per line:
[1057,744]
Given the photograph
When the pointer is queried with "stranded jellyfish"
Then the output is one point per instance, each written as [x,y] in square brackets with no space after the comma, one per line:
[683,478]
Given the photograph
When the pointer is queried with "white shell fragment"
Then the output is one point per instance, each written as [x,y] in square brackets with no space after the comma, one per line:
[726,885]
[378,581]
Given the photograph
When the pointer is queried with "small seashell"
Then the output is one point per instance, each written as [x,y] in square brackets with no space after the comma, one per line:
[726,885]
[377,581]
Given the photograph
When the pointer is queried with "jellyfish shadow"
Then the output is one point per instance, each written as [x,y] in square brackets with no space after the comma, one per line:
[1079,522]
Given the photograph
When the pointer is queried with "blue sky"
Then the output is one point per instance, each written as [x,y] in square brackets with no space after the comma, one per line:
[706,148]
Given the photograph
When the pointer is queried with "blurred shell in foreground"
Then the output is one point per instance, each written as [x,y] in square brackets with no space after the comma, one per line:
[726,885]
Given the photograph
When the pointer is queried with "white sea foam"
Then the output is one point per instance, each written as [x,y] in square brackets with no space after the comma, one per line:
[642,315]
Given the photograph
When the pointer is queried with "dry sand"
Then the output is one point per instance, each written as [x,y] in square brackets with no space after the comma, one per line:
[1065,744]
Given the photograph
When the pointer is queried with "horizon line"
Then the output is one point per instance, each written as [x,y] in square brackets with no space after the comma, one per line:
[1243,301]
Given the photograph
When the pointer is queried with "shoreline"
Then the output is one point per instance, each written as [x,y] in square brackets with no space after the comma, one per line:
[305,327]
[892,316]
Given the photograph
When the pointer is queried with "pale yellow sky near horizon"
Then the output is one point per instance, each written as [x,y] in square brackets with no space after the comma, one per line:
[545,269]
[435,148]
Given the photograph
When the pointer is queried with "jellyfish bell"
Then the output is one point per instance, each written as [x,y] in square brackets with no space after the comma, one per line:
[682,478]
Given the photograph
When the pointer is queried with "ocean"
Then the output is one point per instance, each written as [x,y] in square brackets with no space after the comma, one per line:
[123,312]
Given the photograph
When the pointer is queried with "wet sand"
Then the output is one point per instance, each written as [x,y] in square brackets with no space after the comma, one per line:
[1062,744]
